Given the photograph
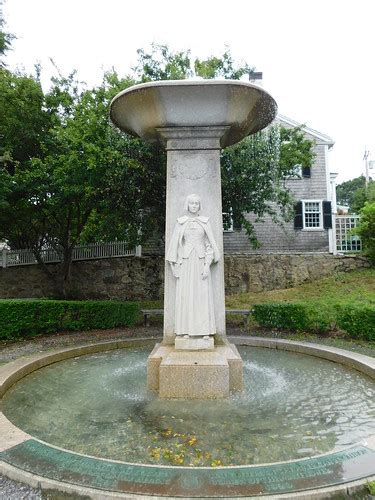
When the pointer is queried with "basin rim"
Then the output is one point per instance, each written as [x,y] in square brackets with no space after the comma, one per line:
[236,132]
[362,363]
[177,83]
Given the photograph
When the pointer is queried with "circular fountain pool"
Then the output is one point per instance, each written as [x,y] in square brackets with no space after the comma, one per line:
[293,406]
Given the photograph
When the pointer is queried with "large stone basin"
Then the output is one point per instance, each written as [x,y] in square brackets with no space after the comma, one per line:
[242,107]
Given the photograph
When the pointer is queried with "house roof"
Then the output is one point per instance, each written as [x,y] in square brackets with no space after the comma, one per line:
[319,137]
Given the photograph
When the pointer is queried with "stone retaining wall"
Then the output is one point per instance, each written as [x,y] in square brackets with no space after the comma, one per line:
[130,278]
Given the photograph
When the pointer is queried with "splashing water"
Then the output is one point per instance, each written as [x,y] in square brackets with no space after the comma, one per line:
[292,406]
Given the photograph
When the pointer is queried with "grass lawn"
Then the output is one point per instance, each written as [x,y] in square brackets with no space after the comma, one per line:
[357,286]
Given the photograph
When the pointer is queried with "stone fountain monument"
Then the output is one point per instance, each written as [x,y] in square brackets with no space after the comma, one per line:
[194,120]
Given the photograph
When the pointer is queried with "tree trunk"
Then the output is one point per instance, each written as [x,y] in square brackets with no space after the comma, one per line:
[66,266]
[52,276]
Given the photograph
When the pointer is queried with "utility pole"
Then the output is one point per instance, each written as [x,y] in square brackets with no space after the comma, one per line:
[365,158]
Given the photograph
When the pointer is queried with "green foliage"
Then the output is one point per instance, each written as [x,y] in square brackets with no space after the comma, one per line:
[300,317]
[345,190]
[354,193]
[79,181]
[357,319]
[250,171]
[162,64]
[68,177]
[253,173]
[221,67]
[5,38]
[295,149]
[361,196]
[353,286]
[371,487]
[23,120]
[366,229]
[26,318]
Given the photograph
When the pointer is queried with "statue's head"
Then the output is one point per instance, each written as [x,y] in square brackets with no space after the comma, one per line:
[193,203]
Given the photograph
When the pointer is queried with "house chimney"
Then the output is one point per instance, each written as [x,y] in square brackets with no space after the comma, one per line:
[256,77]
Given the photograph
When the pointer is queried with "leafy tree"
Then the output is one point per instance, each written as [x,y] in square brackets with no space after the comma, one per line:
[354,193]
[361,196]
[253,173]
[295,149]
[69,177]
[23,120]
[162,64]
[221,67]
[85,173]
[366,229]
[5,38]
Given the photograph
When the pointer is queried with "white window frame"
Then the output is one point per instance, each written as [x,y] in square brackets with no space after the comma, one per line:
[316,228]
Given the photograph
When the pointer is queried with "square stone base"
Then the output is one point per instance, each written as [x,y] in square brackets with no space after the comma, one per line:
[208,374]
[187,343]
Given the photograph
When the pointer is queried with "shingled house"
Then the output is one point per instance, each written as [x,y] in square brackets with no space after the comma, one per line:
[314,191]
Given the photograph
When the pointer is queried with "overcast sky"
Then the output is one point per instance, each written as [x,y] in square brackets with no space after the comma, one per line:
[317,57]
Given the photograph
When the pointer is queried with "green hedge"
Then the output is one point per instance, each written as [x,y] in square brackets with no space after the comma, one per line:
[25,318]
[292,316]
[355,319]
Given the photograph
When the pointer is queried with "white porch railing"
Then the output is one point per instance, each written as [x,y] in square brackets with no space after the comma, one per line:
[345,240]
[82,252]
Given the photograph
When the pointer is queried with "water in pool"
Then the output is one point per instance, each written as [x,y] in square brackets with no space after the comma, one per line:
[293,406]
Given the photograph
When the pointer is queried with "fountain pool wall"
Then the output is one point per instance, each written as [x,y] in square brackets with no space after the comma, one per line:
[32,460]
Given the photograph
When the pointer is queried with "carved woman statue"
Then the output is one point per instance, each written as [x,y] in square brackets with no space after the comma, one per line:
[191,252]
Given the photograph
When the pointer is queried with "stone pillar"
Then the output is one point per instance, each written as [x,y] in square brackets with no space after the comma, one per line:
[193,166]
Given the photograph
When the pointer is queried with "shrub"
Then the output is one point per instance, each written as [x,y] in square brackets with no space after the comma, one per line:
[371,487]
[25,318]
[356,319]
[366,229]
[297,316]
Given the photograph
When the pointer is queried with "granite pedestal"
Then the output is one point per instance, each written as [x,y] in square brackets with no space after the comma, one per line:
[204,374]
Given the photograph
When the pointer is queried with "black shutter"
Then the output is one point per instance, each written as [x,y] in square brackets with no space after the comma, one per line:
[298,217]
[306,172]
[327,215]
[237,220]
[237,225]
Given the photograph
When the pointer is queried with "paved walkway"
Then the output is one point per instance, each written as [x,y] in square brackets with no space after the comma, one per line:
[12,490]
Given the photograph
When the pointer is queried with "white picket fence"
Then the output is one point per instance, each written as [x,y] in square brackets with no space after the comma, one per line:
[82,252]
